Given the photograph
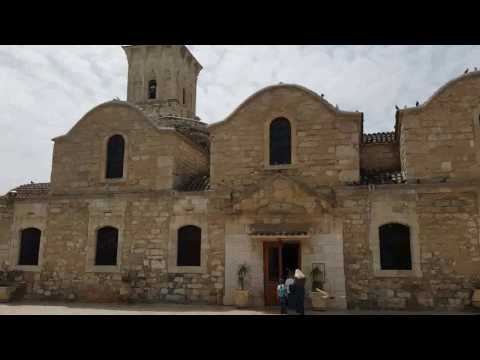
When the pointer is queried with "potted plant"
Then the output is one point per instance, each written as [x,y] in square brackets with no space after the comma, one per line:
[7,283]
[318,295]
[241,295]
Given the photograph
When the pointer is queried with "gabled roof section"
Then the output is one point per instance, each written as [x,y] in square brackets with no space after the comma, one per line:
[284,86]
[267,183]
[142,115]
[114,102]
[470,75]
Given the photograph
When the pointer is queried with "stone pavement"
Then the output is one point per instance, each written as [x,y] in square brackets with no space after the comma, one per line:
[27,308]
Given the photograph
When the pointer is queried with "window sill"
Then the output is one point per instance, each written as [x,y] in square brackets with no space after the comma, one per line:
[280,167]
[28,268]
[397,273]
[187,269]
[103,269]
[113,181]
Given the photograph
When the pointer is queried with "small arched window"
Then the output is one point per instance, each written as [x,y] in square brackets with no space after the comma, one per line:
[29,246]
[107,246]
[189,246]
[184,97]
[115,157]
[152,89]
[280,142]
[395,251]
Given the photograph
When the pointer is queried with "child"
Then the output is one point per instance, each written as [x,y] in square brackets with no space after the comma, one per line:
[282,295]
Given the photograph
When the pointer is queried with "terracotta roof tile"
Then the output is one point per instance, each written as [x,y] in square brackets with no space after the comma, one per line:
[30,191]
[381,177]
[379,138]
[197,183]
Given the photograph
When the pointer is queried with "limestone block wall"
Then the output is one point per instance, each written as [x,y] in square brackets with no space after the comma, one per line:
[444,243]
[147,248]
[382,157]
[327,249]
[6,222]
[79,158]
[240,249]
[189,161]
[325,143]
[440,138]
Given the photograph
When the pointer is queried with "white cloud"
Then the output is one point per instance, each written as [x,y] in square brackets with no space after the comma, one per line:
[45,90]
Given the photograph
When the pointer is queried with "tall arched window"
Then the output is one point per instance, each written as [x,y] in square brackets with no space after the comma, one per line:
[107,245]
[189,246]
[115,157]
[29,246]
[395,247]
[184,97]
[280,142]
[152,89]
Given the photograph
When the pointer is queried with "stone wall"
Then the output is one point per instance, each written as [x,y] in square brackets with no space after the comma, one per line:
[189,162]
[444,241]
[282,204]
[381,157]
[79,159]
[440,138]
[145,224]
[6,222]
[325,142]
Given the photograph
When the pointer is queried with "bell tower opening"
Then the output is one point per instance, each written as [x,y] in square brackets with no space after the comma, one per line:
[152,89]
[161,76]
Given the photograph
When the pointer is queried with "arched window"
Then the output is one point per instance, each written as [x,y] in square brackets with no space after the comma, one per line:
[29,246]
[152,89]
[115,157]
[107,244]
[395,247]
[280,142]
[189,246]
[184,97]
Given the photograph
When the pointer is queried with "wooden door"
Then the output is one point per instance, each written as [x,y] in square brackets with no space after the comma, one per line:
[272,262]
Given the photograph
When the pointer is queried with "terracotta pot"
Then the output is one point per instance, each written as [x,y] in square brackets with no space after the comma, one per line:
[319,301]
[476,298]
[6,293]
[241,298]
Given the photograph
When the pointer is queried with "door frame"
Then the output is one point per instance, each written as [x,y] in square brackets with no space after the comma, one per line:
[279,243]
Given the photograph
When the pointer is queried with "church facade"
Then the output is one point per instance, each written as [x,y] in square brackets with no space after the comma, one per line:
[148,203]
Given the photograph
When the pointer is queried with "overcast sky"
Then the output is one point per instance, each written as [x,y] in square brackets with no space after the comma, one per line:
[45,90]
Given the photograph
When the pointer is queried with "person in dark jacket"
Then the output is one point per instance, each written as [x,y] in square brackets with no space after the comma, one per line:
[290,291]
[299,286]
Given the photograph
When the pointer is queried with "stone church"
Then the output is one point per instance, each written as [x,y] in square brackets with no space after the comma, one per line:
[148,203]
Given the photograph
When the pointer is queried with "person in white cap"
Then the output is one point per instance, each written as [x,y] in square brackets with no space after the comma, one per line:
[299,285]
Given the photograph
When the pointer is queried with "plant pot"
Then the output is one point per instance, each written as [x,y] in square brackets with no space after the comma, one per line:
[241,298]
[319,301]
[476,298]
[6,293]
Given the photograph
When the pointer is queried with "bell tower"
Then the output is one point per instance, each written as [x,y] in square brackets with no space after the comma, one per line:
[163,79]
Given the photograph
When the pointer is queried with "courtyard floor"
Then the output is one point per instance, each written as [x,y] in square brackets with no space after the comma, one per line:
[26,308]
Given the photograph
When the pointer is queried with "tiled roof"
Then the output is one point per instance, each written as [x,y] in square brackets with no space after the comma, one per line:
[197,183]
[381,177]
[30,191]
[379,138]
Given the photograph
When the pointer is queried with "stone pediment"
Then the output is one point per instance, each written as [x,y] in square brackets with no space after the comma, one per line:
[281,194]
